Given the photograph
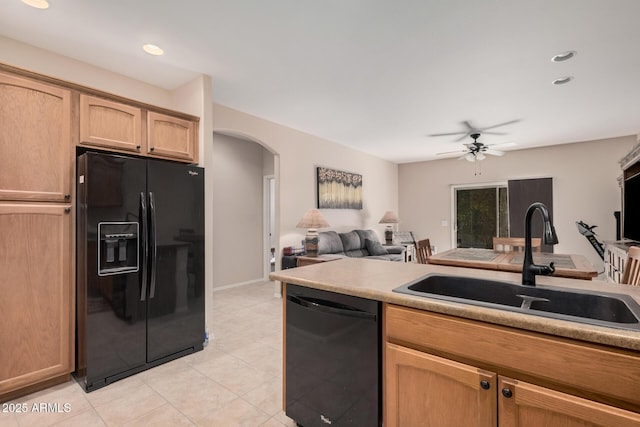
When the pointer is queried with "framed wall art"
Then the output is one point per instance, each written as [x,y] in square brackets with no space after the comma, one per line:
[339,189]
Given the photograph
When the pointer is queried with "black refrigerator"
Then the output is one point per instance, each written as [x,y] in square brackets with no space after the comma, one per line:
[140,265]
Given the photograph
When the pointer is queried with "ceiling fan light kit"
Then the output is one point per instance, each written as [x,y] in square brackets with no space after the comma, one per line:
[476,151]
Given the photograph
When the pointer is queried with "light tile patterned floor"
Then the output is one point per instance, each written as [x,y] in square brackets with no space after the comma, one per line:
[235,381]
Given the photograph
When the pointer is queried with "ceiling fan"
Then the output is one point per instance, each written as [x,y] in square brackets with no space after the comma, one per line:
[476,150]
[470,130]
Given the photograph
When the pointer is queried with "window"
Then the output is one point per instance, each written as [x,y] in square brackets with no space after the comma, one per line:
[480,214]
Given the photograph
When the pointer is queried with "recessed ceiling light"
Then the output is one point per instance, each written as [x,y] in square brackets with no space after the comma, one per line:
[38,4]
[564,56]
[562,80]
[152,49]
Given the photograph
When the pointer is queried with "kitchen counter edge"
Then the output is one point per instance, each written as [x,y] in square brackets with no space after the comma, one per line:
[376,279]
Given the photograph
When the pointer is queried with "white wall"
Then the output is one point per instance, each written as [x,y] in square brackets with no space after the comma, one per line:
[238,169]
[297,155]
[585,188]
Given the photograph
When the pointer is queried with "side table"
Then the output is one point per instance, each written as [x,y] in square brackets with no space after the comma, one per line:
[409,251]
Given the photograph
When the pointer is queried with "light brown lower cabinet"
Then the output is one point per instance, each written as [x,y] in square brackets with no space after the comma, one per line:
[531,405]
[426,390]
[37,296]
[442,370]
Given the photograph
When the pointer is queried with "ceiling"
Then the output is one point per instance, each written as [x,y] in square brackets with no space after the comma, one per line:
[377,75]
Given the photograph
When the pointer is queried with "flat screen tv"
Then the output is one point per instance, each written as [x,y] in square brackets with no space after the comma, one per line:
[631,208]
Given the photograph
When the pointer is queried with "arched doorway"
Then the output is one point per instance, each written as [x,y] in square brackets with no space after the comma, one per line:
[245,210]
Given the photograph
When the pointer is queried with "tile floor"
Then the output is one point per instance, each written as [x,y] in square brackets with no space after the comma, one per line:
[234,381]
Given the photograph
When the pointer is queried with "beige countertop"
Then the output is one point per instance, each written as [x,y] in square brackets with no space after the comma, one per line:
[572,266]
[376,279]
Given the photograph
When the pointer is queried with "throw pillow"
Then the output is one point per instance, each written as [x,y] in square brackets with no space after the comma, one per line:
[375,248]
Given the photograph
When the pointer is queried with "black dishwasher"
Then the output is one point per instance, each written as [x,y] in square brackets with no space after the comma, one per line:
[333,359]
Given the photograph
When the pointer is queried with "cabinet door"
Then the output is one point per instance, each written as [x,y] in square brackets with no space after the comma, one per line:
[109,124]
[36,330]
[35,140]
[425,390]
[171,137]
[526,405]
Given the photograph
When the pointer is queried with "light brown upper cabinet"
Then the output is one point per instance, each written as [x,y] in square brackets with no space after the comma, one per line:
[110,124]
[35,140]
[113,125]
[171,137]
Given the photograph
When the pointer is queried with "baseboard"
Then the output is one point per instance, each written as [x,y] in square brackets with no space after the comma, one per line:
[237,285]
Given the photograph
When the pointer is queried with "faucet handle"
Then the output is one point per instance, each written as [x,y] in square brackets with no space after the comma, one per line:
[552,267]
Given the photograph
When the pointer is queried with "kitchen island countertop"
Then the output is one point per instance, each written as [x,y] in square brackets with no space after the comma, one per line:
[376,279]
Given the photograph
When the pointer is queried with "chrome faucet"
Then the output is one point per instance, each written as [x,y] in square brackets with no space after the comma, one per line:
[529,269]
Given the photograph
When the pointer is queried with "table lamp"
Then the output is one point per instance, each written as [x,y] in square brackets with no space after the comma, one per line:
[389,218]
[312,220]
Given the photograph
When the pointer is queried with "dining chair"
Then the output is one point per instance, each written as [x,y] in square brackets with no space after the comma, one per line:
[515,244]
[423,251]
[631,273]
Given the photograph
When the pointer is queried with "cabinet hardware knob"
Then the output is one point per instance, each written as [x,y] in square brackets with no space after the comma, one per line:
[485,384]
[67,210]
[137,147]
[152,148]
[67,196]
[507,392]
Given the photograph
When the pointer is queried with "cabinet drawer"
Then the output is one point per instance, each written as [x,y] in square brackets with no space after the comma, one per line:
[595,369]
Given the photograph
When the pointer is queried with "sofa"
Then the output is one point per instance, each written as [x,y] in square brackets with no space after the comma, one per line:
[356,244]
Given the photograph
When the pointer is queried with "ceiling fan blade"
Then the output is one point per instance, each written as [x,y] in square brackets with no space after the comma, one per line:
[498,125]
[494,133]
[462,137]
[451,152]
[448,134]
[468,125]
[494,152]
[503,144]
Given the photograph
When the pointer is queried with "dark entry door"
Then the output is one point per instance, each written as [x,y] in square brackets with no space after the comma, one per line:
[522,193]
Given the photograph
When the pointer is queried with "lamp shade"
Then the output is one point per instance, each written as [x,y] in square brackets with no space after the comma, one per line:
[389,217]
[312,219]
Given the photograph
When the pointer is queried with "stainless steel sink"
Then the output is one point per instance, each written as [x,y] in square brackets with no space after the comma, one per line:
[596,308]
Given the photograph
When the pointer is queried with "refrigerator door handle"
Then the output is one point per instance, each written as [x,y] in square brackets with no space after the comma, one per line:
[154,244]
[145,246]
